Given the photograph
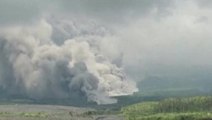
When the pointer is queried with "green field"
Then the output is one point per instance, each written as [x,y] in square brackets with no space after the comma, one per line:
[189,108]
[140,106]
[53,112]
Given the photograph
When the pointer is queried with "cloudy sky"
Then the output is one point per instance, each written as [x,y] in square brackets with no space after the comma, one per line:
[160,38]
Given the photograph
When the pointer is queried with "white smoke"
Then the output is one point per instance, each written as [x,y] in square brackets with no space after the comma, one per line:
[43,68]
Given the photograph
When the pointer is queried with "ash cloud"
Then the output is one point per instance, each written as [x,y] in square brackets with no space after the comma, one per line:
[94,48]
[41,69]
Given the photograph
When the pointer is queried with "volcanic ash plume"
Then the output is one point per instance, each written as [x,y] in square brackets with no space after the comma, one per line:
[34,65]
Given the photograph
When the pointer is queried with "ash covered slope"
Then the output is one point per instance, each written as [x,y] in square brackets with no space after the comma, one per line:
[59,60]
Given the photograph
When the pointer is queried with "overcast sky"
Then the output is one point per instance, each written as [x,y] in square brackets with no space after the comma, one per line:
[153,37]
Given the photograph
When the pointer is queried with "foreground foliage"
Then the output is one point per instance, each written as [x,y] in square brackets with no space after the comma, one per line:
[191,108]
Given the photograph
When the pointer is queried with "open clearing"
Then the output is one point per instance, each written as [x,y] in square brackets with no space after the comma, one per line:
[51,112]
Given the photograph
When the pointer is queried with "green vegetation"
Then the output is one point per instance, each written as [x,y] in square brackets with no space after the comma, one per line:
[33,114]
[178,108]
[191,108]
[25,114]
[174,116]
[171,104]
[5,113]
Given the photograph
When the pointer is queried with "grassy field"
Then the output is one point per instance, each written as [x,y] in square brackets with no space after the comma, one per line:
[179,108]
[174,116]
[190,108]
[173,106]
[52,112]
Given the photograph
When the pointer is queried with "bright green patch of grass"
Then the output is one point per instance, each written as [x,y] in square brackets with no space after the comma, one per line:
[173,116]
[192,108]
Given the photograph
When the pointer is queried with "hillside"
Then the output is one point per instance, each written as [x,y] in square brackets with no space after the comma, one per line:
[189,108]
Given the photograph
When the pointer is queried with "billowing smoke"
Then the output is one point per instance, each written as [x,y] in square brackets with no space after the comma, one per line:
[59,59]
[94,48]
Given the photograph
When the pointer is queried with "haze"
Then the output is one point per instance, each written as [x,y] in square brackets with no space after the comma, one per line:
[98,49]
